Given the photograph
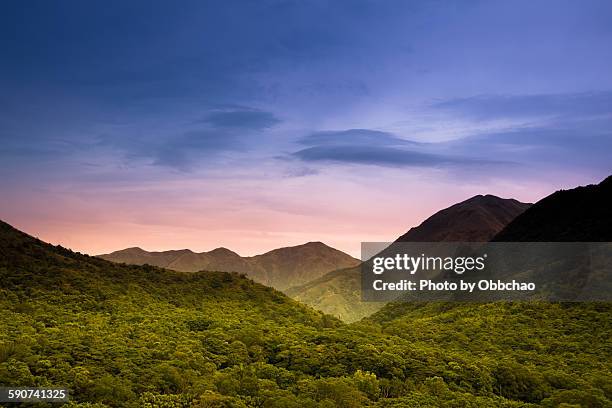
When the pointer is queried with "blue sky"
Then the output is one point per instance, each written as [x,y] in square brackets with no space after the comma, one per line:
[256,124]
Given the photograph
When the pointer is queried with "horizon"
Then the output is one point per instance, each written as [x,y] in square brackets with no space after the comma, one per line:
[255,126]
[355,255]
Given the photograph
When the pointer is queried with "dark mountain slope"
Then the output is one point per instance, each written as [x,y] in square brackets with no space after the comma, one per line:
[477,219]
[580,214]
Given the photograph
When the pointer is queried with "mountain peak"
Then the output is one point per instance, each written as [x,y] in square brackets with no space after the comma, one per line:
[476,219]
[486,198]
[134,250]
[316,244]
[180,251]
[313,246]
[222,251]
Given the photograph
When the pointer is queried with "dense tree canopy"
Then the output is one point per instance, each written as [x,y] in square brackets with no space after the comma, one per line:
[140,336]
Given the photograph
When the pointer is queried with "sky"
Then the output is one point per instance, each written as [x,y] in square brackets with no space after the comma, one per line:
[254,125]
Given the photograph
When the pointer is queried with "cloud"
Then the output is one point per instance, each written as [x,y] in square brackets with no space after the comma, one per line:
[189,149]
[583,144]
[545,131]
[379,148]
[490,107]
[365,137]
[381,156]
[300,172]
[247,119]
[228,128]
[183,151]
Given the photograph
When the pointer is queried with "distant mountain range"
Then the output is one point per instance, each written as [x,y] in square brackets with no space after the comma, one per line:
[279,268]
[477,219]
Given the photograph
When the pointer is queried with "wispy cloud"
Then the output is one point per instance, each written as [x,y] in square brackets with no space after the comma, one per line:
[491,107]
[376,155]
[193,148]
[546,131]
[226,129]
[361,137]
[569,145]
[373,147]
[535,131]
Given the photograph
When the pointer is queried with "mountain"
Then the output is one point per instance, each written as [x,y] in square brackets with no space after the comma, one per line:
[126,336]
[581,214]
[285,267]
[279,268]
[477,219]
[474,220]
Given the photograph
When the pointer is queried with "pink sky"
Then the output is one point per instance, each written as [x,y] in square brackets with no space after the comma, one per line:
[251,216]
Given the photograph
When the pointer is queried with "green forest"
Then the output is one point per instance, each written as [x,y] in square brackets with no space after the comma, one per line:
[141,336]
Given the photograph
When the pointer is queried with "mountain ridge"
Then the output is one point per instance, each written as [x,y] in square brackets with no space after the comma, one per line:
[280,268]
[577,214]
[476,219]
[338,293]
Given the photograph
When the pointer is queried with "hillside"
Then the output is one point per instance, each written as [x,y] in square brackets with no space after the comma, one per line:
[477,219]
[545,331]
[580,214]
[279,268]
[141,336]
[474,220]
[337,293]
[526,342]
